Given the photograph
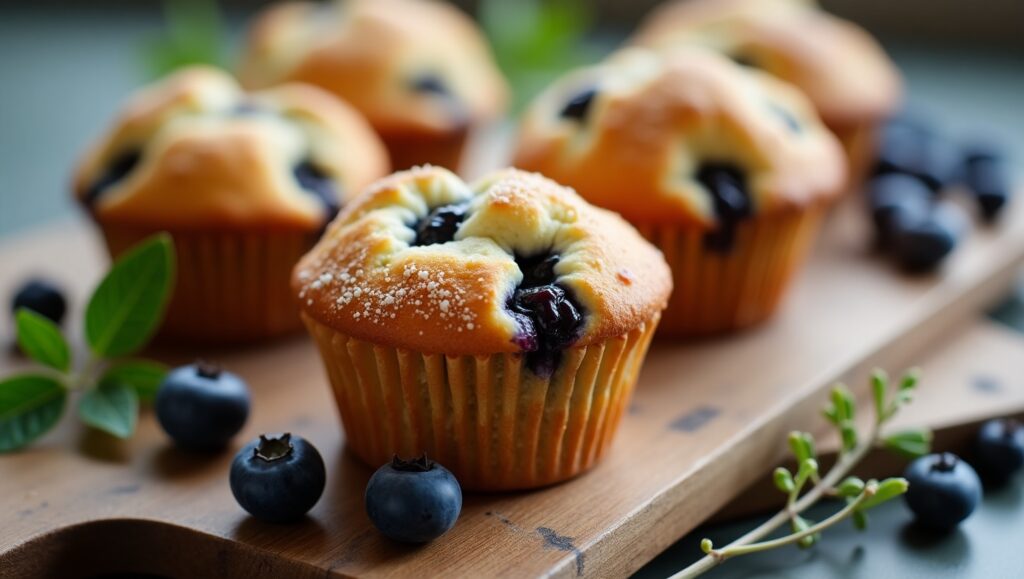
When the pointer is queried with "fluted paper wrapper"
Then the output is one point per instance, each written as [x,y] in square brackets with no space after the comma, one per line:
[489,419]
[231,286]
[717,292]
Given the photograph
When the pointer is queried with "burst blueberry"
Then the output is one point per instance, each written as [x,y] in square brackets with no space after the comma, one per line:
[548,317]
[201,406]
[999,449]
[430,84]
[278,478]
[43,298]
[579,105]
[319,183]
[413,501]
[944,490]
[441,224]
[726,183]
[115,171]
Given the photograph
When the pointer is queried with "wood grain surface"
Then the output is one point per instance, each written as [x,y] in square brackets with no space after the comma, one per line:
[708,419]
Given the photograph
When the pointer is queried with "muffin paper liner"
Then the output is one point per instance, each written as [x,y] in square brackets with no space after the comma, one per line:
[490,420]
[412,150]
[716,292]
[231,286]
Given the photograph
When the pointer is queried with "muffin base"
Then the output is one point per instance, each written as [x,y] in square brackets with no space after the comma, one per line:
[720,292]
[231,287]
[488,419]
[410,150]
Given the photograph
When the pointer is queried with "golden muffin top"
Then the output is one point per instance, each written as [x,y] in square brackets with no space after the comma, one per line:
[410,66]
[680,138]
[513,262]
[195,151]
[843,70]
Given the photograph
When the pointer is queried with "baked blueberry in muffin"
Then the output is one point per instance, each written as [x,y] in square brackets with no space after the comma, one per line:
[419,70]
[724,168]
[477,310]
[244,182]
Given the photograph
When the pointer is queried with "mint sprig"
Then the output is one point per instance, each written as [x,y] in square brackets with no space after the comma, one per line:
[123,313]
[858,495]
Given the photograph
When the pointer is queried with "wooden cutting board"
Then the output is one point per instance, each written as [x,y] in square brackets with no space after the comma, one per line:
[708,419]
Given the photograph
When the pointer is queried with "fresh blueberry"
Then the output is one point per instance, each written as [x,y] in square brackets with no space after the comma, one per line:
[727,186]
[944,490]
[579,105]
[116,170]
[278,478]
[896,198]
[201,406]
[316,181]
[440,225]
[910,146]
[986,175]
[999,449]
[43,298]
[413,501]
[921,242]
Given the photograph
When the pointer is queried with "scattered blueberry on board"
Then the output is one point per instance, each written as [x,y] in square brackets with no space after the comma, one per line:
[914,169]
[278,478]
[43,298]
[201,407]
[944,490]
[999,449]
[413,501]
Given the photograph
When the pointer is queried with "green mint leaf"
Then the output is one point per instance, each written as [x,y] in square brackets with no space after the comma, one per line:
[129,303]
[850,487]
[142,376]
[860,520]
[879,386]
[909,443]
[784,480]
[42,341]
[30,405]
[110,407]
[888,489]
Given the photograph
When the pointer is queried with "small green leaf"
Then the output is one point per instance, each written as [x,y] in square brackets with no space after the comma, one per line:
[879,385]
[888,489]
[800,525]
[143,376]
[831,414]
[30,405]
[706,545]
[783,480]
[843,402]
[860,520]
[802,446]
[850,487]
[848,432]
[910,379]
[129,303]
[110,407]
[42,341]
[909,443]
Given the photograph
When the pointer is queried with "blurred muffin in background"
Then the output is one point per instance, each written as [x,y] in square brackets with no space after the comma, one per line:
[419,70]
[727,170]
[839,66]
[244,183]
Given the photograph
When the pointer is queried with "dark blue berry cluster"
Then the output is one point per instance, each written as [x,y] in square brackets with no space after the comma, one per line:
[915,167]
[441,224]
[726,183]
[548,316]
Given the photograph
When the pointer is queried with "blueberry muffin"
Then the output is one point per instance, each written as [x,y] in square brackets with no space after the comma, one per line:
[726,170]
[499,327]
[840,67]
[419,70]
[244,183]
